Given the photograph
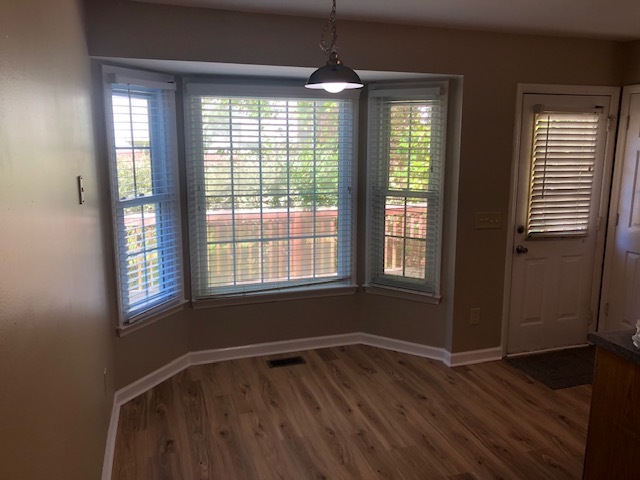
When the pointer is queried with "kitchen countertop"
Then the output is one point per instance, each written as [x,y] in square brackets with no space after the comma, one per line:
[619,343]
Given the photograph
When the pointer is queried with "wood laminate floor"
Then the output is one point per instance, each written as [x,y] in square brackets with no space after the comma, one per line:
[352,412]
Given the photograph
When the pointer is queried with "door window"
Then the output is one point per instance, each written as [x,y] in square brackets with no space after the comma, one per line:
[564,153]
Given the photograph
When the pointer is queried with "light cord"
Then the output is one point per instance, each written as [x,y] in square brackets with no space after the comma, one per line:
[329,47]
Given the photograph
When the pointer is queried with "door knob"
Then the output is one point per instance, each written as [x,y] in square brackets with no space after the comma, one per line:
[521,250]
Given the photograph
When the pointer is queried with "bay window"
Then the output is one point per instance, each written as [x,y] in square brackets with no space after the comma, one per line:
[269,171]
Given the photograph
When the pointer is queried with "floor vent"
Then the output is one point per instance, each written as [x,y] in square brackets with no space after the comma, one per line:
[286,362]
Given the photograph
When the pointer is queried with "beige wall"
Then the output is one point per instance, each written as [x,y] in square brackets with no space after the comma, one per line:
[143,351]
[269,322]
[631,63]
[55,331]
[492,66]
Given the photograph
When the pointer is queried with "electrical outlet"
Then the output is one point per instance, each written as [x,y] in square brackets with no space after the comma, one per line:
[474,317]
[486,220]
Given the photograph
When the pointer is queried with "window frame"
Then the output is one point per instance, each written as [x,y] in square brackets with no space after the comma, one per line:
[285,89]
[167,170]
[386,284]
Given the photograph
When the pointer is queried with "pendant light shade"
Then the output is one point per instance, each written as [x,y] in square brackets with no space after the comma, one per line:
[334,77]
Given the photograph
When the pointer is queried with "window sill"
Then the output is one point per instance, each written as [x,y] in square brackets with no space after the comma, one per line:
[289,294]
[152,317]
[403,294]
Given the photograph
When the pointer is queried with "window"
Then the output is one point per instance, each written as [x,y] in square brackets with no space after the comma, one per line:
[144,191]
[270,189]
[563,162]
[406,167]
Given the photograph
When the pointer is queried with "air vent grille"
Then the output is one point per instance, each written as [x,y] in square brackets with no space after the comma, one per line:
[285,362]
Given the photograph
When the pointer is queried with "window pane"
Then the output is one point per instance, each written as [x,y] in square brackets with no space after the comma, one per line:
[394,217]
[415,256]
[394,256]
[220,257]
[405,237]
[143,177]
[142,266]
[302,258]
[416,219]
[275,223]
[410,138]
[248,257]
[219,226]
[247,224]
[276,266]
[326,255]
[132,125]
[124,164]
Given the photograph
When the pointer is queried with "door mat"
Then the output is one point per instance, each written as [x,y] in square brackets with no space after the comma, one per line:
[559,369]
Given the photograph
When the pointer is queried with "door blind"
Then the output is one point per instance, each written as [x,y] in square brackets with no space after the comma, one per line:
[562,173]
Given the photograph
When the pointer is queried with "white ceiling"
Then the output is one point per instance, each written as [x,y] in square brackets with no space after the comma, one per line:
[612,19]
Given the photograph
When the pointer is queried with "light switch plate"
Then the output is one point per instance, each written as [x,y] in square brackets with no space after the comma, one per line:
[486,220]
[80,189]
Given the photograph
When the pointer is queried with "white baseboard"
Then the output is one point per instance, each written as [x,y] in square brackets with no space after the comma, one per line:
[140,386]
[130,392]
[475,356]
[272,348]
[147,382]
[545,350]
[417,349]
[107,466]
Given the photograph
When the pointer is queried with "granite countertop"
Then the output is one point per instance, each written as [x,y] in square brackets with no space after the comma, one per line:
[619,343]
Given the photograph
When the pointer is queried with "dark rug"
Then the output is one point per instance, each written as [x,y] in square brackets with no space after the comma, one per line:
[560,369]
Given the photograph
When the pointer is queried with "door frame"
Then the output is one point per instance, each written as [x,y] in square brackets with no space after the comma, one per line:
[616,184]
[526,88]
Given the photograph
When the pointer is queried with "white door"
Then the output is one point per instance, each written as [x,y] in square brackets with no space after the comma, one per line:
[621,302]
[555,275]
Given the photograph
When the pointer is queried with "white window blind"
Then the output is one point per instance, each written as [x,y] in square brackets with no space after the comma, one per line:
[406,167]
[270,182]
[562,173]
[145,202]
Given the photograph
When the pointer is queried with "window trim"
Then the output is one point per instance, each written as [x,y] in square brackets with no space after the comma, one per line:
[296,293]
[286,88]
[163,82]
[402,289]
[153,316]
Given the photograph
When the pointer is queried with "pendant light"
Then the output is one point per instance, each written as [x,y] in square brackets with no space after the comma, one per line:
[334,76]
